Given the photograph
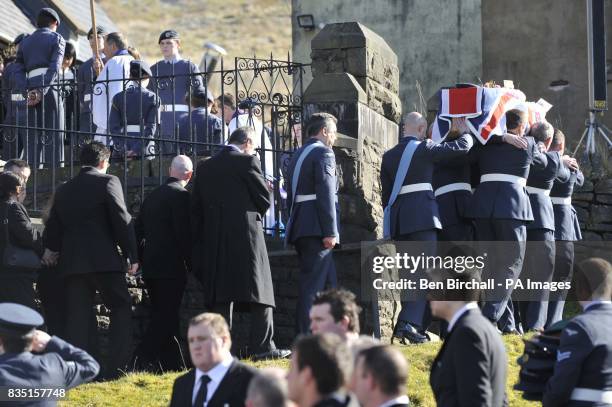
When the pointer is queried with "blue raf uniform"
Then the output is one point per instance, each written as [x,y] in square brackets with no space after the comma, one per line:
[540,257]
[583,373]
[453,192]
[414,215]
[60,366]
[314,215]
[172,80]
[200,126]
[501,208]
[134,112]
[14,101]
[86,77]
[567,231]
[39,60]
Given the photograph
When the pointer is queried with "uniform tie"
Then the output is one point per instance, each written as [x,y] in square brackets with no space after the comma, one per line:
[202,392]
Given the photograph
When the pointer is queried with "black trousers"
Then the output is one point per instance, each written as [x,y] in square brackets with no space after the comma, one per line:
[160,346]
[262,325]
[80,295]
[18,289]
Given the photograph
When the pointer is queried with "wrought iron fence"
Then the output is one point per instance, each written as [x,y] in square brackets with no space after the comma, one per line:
[48,135]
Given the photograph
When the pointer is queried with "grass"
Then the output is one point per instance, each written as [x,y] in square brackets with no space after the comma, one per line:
[243,27]
[150,390]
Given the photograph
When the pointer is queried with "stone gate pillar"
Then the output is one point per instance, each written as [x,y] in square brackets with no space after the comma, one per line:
[356,78]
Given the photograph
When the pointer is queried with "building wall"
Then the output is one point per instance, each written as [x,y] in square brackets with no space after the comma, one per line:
[437,42]
[543,41]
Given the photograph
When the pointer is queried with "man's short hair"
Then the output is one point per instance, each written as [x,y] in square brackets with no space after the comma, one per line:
[341,303]
[15,165]
[593,279]
[117,39]
[319,121]
[515,118]
[541,131]
[328,358]
[227,99]
[241,135]
[17,343]
[267,390]
[388,367]
[558,138]
[92,154]
[44,20]
[215,321]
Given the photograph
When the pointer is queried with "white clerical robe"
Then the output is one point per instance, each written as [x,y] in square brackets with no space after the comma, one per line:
[116,69]
[243,120]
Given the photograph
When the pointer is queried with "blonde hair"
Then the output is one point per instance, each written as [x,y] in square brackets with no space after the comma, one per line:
[215,321]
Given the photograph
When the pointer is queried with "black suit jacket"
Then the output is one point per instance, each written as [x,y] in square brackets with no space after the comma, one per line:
[21,231]
[231,391]
[164,229]
[470,369]
[88,220]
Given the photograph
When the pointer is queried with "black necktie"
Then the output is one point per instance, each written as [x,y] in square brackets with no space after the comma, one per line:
[202,392]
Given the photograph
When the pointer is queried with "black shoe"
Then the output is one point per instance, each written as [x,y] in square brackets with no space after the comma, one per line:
[272,354]
[408,334]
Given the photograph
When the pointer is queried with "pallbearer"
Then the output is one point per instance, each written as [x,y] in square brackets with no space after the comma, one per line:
[171,81]
[567,230]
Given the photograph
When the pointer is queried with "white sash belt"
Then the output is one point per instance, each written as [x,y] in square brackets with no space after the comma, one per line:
[305,198]
[132,128]
[36,72]
[174,108]
[424,186]
[503,178]
[17,97]
[457,186]
[592,395]
[534,190]
[561,201]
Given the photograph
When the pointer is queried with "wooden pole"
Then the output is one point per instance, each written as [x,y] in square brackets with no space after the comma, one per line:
[92,7]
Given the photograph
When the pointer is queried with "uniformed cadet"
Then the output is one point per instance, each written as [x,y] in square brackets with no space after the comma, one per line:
[583,373]
[200,125]
[39,60]
[86,76]
[406,177]
[134,113]
[500,208]
[172,80]
[31,359]
[540,257]
[567,230]
[313,226]
[14,101]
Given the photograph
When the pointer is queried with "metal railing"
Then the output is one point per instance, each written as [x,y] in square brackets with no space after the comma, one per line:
[49,135]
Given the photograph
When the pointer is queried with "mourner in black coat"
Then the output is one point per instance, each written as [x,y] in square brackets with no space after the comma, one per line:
[164,232]
[225,379]
[87,222]
[470,369]
[16,285]
[230,197]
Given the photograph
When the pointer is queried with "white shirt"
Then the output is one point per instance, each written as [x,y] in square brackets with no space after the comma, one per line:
[461,311]
[398,400]
[235,147]
[216,374]
[595,302]
[118,67]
